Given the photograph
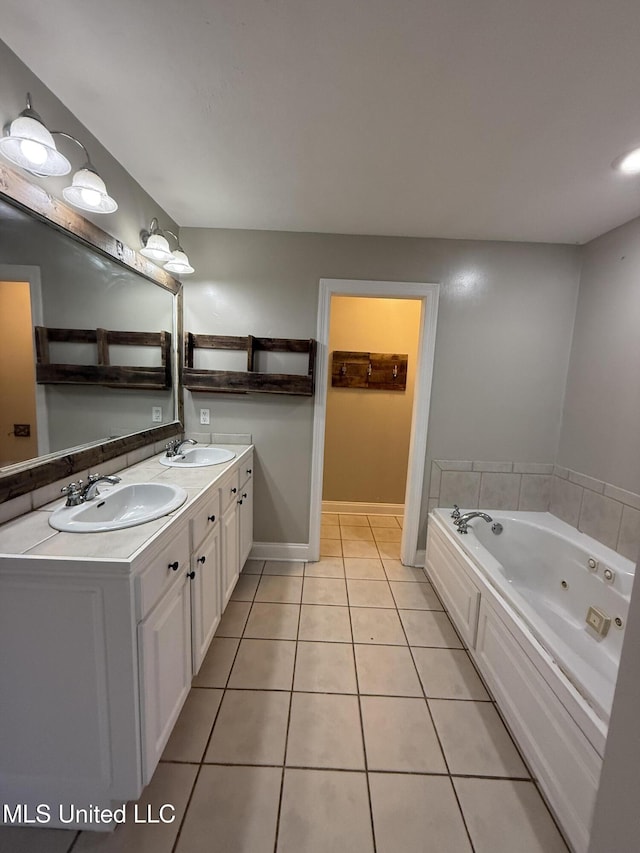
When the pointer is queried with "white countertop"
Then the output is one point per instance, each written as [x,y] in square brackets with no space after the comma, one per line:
[31,535]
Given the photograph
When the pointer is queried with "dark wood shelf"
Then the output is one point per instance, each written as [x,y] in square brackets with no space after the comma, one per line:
[249,381]
[103,373]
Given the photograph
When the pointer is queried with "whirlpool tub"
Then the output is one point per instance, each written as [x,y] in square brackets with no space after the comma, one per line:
[542,609]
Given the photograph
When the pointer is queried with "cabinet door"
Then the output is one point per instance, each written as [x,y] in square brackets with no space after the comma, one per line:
[164,644]
[245,521]
[206,590]
[230,561]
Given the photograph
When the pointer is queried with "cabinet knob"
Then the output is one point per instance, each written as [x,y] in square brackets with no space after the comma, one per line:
[239,502]
[191,575]
[233,490]
[211,518]
[244,495]
[202,559]
[174,566]
[249,471]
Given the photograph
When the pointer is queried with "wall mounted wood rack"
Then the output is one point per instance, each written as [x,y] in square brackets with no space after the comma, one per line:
[103,373]
[370,370]
[251,381]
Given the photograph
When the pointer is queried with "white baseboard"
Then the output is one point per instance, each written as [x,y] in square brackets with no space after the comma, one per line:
[421,558]
[285,551]
[362,508]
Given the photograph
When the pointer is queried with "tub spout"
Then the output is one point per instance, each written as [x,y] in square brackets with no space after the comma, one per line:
[462,522]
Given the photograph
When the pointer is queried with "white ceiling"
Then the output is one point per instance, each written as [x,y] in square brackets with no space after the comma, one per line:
[492,119]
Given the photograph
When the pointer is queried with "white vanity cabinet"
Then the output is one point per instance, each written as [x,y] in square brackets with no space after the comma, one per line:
[100,636]
[245,511]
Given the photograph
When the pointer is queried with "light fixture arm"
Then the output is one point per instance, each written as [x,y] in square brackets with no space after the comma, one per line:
[154,228]
[88,165]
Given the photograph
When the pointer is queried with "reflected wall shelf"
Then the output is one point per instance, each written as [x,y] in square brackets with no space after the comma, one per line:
[103,373]
[249,381]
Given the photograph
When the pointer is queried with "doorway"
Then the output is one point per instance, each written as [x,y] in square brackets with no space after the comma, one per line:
[23,419]
[427,294]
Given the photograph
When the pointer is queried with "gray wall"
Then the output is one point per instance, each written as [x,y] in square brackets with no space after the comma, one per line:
[502,347]
[136,207]
[601,420]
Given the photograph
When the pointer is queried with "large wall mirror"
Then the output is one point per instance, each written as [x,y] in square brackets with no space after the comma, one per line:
[50,279]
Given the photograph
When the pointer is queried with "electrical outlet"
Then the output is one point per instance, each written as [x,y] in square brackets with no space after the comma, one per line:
[205,416]
[156,414]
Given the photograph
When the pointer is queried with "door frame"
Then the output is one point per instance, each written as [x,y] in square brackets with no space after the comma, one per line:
[428,294]
[24,272]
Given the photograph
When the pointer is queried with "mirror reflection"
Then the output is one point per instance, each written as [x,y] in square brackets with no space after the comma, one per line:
[49,279]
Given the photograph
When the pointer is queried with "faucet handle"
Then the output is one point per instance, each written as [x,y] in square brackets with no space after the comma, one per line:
[73,492]
[456,511]
[92,478]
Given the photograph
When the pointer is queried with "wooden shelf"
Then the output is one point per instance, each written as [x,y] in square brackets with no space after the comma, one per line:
[376,371]
[249,381]
[103,373]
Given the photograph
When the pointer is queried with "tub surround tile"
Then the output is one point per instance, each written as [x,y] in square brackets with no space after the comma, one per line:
[378,626]
[499,491]
[561,472]
[400,825]
[460,487]
[535,492]
[324,731]
[629,537]
[506,815]
[566,499]
[251,728]
[474,740]
[494,467]
[399,735]
[273,621]
[455,464]
[628,498]
[586,482]
[448,674]
[189,737]
[434,480]
[328,623]
[600,518]
[236,806]
[533,467]
[321,809]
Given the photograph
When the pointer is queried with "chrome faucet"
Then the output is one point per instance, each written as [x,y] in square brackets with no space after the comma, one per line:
[77,493]
[462,522]
[90,491]
[174,447]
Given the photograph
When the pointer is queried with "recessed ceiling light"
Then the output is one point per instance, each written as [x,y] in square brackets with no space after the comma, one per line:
[629,163]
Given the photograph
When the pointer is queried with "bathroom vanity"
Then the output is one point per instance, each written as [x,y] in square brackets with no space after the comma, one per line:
[101,634]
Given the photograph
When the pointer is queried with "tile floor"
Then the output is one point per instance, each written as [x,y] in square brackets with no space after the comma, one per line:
[336,710]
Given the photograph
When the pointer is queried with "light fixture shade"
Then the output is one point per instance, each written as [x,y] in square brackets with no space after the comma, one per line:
[88,192]
[31,146]
[629,163]
[179,264]
[157,248]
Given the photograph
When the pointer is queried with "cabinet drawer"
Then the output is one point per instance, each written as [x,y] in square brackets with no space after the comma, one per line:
[162,571]
[246,469]
[229,490]
[206,516]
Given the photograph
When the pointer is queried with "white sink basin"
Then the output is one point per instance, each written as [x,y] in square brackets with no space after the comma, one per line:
[122,506]
[198,457]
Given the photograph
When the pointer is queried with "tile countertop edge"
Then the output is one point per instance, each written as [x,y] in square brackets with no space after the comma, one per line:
[127,564]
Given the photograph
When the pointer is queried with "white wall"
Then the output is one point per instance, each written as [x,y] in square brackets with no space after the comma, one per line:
[502,347]
[601,420]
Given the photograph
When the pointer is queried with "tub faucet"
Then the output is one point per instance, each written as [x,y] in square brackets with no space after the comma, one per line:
[462,522]
[174,447]
[90,491]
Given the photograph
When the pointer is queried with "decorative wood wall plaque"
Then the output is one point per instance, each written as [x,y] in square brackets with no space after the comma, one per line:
[369,370]
[241,382]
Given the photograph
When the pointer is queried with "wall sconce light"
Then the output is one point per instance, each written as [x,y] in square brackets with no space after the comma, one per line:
[156,248]
[27,143]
